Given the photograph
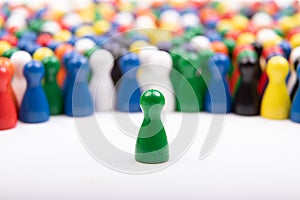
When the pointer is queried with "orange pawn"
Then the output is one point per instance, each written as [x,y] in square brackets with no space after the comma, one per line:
[5,62]
[60,51]
[8,114]
[219,47]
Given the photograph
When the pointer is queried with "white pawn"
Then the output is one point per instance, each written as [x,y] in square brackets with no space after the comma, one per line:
[84,44]
[19,59]
[154,73]
[200,43]
[101,86]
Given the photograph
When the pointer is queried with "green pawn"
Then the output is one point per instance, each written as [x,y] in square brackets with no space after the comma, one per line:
[51,88]
[152,143]
[191,88]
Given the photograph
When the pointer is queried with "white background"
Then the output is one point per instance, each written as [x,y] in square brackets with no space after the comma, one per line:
[255,159]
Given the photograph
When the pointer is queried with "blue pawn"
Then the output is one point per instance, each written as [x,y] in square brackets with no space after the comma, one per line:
[128,97]
[34,107]
[78,101]
[217,98]
[295,109]
[67,56]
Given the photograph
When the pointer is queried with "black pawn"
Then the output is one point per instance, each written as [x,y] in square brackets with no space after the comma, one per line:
[117,51]
[295,88]
[247,100]
[258,49]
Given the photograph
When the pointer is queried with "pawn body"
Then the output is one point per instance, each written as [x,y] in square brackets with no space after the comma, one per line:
[101,85]
[51,88]
[34,107]
[8,114]
[246,100]
[19,59]
[217,98]
[154,73]
[128,90]
[78,101]
[152,143]
[276,100]
[295,109]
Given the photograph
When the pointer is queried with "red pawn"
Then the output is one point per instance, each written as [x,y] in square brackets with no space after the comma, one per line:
[8,114]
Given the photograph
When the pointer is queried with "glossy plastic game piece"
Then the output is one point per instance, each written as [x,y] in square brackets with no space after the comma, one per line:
[218,98]
[34,107]
[19,59]
[201,43]
[295,108]
[152,143]
[101,86]
[154,73]
[129,92]
[276,100]
[51,88]
[42,53]
[191,88]
[77,98]
[8,53]
[246,100]
[84,44]
[8,114]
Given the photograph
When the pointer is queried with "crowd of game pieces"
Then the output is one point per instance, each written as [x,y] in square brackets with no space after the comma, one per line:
[200,55]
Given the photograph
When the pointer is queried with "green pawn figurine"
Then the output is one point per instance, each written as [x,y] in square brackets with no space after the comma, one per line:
[152,143]
[51,88]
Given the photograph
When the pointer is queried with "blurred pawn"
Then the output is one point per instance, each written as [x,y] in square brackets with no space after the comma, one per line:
[246,38]
[189,20]
[154,73]
[42,53]
[129,93]
[218,99]
[34,107]
[84,44]
[78,101]
[246,100]
[8,114]
[60,51]
[265,34]
[200,43]
[4,46]
[19,60]
[51,88]
[101,86]
[219,47]
[295,109]
[51,27]
[262,20]
[276,100]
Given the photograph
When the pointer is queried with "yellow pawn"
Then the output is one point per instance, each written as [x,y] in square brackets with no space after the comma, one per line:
[276,101]
[42,53]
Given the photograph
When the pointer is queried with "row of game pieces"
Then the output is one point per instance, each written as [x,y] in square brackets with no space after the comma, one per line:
[222,35]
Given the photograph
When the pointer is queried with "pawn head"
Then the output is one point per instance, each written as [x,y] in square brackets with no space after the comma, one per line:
[152,102]
[101,60]
[34,72]
[77,66]
[51,65]
[19,59]
[248,67]
[277,68]
[5,62]
[222,62]
[128,62]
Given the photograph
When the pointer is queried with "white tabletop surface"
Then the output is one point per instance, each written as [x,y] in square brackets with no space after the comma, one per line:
[254,159]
